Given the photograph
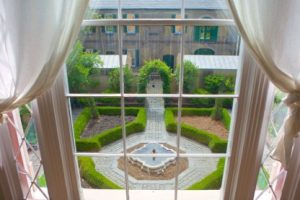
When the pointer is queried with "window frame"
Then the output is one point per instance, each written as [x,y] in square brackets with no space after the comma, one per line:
[57,100]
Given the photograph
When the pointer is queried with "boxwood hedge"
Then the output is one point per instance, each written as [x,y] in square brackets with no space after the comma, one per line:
[215,143]
[93,177]
[212,181]
[108,136]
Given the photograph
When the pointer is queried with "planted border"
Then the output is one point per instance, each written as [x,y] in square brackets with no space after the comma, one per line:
[108,136]
[93,177]
[216,144]
[212,181]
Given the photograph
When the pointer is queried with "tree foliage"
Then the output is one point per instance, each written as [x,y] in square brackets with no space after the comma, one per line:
[218,83]
[191,76]
[114,79]
[79,68]
[154,66]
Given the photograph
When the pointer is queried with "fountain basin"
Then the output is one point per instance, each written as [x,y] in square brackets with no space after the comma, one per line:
[153,164]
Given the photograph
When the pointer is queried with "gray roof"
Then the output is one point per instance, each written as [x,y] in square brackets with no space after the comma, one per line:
[112,61]
[214,61]
[158,4]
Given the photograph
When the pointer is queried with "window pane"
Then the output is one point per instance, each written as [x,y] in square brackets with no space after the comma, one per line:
[152,54]
[202,174]
[97,124]
[101,173]
[93,66]
[271,176]
[154,172]
[25,146]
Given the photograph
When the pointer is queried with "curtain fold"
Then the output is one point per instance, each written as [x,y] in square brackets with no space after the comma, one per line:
[271,31]
[35,38]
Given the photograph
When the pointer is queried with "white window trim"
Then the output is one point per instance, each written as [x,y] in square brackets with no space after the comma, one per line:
[253,115]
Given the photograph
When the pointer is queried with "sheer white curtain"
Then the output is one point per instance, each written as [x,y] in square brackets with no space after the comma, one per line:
[271,30]
[35,38]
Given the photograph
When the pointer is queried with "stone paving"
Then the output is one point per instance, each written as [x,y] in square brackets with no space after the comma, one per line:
[156,132]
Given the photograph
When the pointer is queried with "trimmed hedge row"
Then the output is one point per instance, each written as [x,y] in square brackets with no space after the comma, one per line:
[226,118]
[108,136]
[212,181]
[81,122]
[216,144]
[92,177]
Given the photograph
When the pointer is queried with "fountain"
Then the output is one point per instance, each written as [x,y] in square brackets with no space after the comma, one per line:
[153,164]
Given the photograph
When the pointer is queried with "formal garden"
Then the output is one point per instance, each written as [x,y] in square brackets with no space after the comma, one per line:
[150,124]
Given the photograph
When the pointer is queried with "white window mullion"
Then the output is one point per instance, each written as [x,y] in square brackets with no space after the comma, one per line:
[253,113]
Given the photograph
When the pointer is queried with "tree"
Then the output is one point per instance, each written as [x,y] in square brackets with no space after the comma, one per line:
[191,76]
[114,79]
[216,83]
[79,66]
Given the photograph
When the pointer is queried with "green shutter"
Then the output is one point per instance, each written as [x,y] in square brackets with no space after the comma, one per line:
[136,27]
[137,57]
[197,33]
[125,27]
[173,27]
[114,16]
[214,33]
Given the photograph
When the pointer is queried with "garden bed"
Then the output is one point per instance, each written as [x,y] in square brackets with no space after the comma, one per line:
[207,124]
[99,139]
[104,122]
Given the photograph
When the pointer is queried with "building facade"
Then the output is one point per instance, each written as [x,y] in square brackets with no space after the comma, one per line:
[142,43]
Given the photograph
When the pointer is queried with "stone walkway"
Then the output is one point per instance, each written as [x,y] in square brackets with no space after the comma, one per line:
[156,132]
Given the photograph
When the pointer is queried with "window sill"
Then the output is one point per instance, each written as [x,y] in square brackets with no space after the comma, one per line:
[93,194]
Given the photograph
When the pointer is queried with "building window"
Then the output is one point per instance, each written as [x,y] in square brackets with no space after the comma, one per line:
[131,29]
[110,29]
[206,33]
[176,29]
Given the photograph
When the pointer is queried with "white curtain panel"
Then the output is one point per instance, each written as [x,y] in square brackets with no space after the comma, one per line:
[35,38]
[271,30]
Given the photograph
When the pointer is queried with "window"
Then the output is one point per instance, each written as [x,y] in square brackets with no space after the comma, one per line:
[110,29]
[134,128]
[131,29]
[176,29]
[206,33]
[146,134]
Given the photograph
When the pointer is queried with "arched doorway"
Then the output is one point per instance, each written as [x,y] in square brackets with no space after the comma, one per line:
[204,51]
[169,60]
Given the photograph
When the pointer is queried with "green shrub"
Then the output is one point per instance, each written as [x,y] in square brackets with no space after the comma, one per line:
[228,102]
[81,122]
[114,79]
[85,143]
[212,181]
[108,136]
[111,101]
[93,177]
[191,76]
[216,144]
[226,118]
[202,102]
[154,66]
